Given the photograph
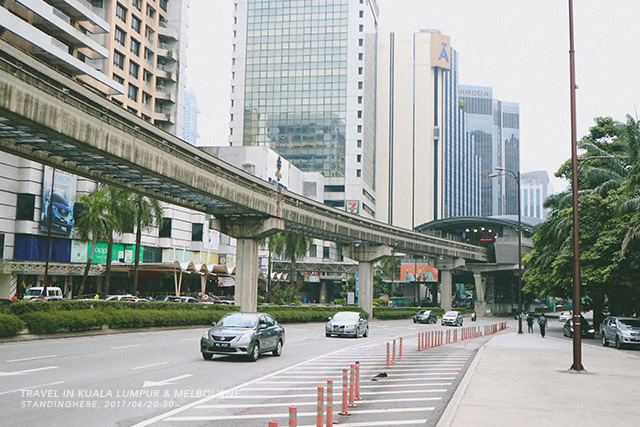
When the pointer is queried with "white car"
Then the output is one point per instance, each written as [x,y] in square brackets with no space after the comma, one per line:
[564,316]
[53,293]
[453,318]
[127,298]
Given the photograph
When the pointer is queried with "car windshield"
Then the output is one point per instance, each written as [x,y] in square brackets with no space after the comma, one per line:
[631,323]
[345,316]
[238,321]
[451,313]
[34,292]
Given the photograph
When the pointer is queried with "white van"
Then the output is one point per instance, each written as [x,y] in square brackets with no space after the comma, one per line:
[53,293]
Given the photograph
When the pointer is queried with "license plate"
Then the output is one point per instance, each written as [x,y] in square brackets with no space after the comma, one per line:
[223,344]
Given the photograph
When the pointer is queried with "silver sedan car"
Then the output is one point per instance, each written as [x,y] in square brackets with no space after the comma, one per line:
[622,331]
[347,323]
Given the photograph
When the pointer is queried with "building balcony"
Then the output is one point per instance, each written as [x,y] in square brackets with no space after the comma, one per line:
[163,73]
[167,32]
[163,115]
[166,53]
[165,96]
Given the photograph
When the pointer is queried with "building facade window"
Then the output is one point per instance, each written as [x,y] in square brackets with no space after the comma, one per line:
[135,47]
[118,59]
[196,232]
[136,24]
[133,93]
[165,230]
[25,207]
[120,36]
[121,12]
[134,69]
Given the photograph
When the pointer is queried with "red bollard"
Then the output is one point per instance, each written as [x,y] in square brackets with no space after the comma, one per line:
[345,386]
[293,416]
[358,381]
[329,403]
[393,357]
[352,383]
[419,341]
[273,424]
[399,357]
[388,361]
[320,408]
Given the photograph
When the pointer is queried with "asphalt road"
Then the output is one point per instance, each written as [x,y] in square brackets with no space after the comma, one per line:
[145,378]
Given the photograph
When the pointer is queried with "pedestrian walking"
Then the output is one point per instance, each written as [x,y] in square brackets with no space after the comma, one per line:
[530,322]
[542,322]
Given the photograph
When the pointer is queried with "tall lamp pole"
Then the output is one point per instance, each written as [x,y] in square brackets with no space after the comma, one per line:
[516,176]
[577,321]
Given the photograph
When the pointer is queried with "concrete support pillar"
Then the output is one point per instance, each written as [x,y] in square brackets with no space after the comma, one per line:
[366,255]
[248,232]
[481,287]
[365,286]
[247,274]
[446,284]
[323,292]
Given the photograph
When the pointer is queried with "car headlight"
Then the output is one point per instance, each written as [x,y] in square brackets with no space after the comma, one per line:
[246,337]
[206,335]
[625,334]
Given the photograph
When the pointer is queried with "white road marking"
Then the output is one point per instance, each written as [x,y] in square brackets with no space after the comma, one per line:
[125,346]
[32,358]
[381,423]
[165,382]
[309,403]
[26,371]
[33,386]
[300,414]
[422,385]
[149,366]
[190,339]
[366,380]
[280,396]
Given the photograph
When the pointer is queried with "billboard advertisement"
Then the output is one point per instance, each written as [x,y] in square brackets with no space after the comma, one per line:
[60,204]
[425,273]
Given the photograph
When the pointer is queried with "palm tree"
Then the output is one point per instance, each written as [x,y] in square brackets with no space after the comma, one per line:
[93,223]
[145,213]
[292,246]
[119,206]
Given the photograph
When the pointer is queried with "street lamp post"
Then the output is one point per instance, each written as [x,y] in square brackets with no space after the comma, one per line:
[516,176]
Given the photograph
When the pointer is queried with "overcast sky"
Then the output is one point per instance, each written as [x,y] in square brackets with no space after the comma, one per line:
[520,48]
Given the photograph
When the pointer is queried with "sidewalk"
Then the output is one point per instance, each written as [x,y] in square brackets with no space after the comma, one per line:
[524,380]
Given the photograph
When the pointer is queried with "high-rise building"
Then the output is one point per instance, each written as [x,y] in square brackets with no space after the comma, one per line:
[461,164]
[495,128]
[301,71]
[191,111]
[535,189]
[410,115]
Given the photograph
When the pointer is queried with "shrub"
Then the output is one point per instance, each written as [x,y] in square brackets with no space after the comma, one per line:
[61,321]
[10,325]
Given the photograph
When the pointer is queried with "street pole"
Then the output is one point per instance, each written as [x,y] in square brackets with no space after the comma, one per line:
[517,176]
[577,323]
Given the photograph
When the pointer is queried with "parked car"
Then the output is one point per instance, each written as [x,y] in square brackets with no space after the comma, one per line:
[247,334]
[564,316]
[186,299]
[425,316]
[623,331]
[453,318]
[53,293]
[125,298]
[347,323]
[586,330]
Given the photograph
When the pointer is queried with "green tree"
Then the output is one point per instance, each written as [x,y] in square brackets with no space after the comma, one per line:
[93,223]
[145,213]
[119,208]
[291,246]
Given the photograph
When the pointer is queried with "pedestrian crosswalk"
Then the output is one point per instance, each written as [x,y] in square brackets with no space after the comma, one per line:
[414,391]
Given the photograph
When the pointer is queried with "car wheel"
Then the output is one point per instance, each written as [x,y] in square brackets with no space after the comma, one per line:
[357,333]
[254,353]
[207,356]
[366,332]
[415,321]
[278,350]
[604,340]
[619,344]
[327,334]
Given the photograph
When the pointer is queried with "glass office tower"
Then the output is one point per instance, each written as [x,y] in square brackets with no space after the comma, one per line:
[299,79]
[495,128]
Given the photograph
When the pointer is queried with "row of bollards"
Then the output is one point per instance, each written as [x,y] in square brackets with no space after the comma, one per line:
[350,393]
[430,339]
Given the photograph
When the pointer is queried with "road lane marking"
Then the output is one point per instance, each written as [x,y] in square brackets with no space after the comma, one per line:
[423,385]
[300,414]
[32,358]
[26,371]
[183,408]
[382,381]
[381,423]
[280,396]
[33,386]
[190,339]
[125,346]
[149,366]
[309,403]
[165,382]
